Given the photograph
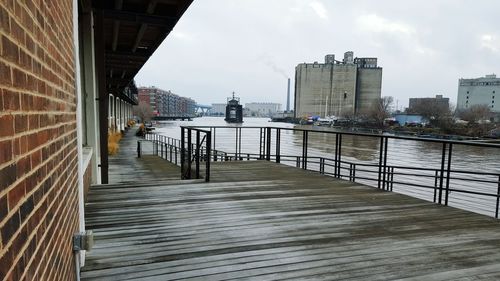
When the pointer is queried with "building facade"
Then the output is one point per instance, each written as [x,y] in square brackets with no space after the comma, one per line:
[167,104]
[262,109]
[479,91]
[339,88]
[64,86]
[218,109]
[438,103]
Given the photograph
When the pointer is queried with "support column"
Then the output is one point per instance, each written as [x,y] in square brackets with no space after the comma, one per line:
[90,94]
[115,125]
[103,94]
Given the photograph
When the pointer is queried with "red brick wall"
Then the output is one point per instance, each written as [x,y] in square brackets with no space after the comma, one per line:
[38,146]
[143,95]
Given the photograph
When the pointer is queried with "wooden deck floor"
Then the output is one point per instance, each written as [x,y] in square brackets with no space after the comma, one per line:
[126,167]
[288,225]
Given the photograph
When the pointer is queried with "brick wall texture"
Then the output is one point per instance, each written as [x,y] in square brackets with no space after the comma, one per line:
[38,145]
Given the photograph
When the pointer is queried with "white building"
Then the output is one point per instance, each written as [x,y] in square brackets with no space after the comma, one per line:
[479,91]
[263,109]
[218,109]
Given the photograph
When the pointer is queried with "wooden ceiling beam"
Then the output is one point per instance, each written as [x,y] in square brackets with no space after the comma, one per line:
[149,10]
[116,25]
[140,18]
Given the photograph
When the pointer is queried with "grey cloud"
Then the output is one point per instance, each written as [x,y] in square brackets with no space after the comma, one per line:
[432,45]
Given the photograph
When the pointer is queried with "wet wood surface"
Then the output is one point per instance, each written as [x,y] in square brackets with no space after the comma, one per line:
[259,220]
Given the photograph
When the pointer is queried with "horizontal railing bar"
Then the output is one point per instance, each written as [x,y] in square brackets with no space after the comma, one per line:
[470,143]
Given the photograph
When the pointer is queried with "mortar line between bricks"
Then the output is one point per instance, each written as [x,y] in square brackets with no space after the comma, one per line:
[33,170]
[35,208]
[32,37]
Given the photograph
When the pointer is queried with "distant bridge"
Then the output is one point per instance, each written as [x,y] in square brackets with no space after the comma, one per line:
[201,109]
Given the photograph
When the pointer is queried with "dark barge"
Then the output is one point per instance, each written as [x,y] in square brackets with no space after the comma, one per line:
[234,110]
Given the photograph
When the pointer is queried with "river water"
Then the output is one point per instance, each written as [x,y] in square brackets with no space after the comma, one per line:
[409,155]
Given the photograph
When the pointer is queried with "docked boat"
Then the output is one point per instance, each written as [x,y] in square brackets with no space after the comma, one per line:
[234,110]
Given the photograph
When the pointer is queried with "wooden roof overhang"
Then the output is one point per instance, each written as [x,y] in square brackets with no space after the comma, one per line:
[126,34]
[132,31]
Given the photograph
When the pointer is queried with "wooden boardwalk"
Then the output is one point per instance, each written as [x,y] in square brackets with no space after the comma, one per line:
[259,220]
[126,167]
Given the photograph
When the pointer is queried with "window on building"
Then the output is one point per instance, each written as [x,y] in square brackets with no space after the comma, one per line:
[467,97]
[467,92]
[493,92]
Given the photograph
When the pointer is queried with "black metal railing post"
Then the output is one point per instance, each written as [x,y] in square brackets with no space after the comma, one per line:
[189,153]
[138,149]
[392,178]
[261,143]
[183,156]
[385,184]
[268,144]
[339,158]
[380,163]
[236,143]
[498,198]
[448,171]
[305,139]
[435,185]
[161,146]
[197,154]
[441,174]
[239,146]
[354,173]
[278,145]
[175,155]
[155,142]
[335,162]
[208,157]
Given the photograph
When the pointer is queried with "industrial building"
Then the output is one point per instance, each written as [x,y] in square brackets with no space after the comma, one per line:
[263,109]
[479,91]
[339,88]
[438,103]
[167,104]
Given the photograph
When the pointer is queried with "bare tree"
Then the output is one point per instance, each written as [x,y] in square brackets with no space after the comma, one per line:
[475,113]
[380,110]
[438,114]
[144,111]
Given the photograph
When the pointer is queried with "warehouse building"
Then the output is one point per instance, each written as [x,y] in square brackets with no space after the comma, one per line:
[479,91]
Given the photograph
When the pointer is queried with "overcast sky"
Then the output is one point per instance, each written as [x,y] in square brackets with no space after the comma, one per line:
[251,46]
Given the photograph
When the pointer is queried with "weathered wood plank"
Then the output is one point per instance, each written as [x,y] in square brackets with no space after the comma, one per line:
[289,225]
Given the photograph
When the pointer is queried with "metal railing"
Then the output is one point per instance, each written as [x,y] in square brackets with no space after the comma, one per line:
[188,154]
[165,147]
[195,152]
[431,169]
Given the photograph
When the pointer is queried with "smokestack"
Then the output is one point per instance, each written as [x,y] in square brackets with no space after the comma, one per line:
[288,97]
